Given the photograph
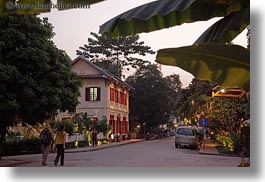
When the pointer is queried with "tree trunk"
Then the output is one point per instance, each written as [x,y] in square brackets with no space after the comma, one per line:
[2,139]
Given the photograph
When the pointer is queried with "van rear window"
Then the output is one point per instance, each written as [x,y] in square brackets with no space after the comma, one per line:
[186,131]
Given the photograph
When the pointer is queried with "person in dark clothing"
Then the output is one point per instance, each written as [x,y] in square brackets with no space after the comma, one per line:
[207,133]
[94,138]
[60,145]
[47,142]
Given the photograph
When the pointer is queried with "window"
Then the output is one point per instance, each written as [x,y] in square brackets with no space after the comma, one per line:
[92,94]
[111,94]
[125,99]
[116,96]
[186,131]
[121,98]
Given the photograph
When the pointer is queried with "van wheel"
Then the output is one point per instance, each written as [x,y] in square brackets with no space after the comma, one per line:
[176,145]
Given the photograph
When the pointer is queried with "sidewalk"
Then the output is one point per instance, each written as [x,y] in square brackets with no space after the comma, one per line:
[208,147]
[15,162]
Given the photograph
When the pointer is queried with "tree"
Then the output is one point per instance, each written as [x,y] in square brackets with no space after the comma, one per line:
[228,113]
[115,54]
[210,57]
[36,80]
[192,101]
[174,87]
[151,94]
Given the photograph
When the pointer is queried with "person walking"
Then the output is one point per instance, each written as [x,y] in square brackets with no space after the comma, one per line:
[94,138]
[60,145]
[46,142]
[207,133]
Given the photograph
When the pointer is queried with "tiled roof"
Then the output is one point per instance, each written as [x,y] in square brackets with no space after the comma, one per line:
[104,73]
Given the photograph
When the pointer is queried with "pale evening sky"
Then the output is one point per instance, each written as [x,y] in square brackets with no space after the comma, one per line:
[73,27]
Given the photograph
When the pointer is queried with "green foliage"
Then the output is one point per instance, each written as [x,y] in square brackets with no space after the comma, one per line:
[235,137]
[82,123]
[86,122]
[102,126]
[154,94]
[227,65]
[68,124]
[208,58]
[25,146]
[36,80]
[115,54]
[226,113]
[76,144]
[192,100]
[12,134]
[174,87]
[231,144]
[225,141]
[158,15]
[244,163]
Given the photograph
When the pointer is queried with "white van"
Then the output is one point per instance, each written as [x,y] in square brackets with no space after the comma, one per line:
[186,136]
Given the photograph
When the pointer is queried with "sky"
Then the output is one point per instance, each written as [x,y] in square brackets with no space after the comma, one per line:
[73,27]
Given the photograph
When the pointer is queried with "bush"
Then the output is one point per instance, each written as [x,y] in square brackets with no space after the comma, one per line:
[69,126]
[236,141]
[32,144]
[26,146]
[76,144]
[225,141]
[102,126]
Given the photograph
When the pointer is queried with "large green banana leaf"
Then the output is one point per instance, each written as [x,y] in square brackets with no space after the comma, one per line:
[227,65]
[226,29]
[167,13]
[40,6]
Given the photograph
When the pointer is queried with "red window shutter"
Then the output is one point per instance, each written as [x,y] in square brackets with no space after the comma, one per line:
[111,94]
[125,99]
[121,98]
[116,96]
[87,94]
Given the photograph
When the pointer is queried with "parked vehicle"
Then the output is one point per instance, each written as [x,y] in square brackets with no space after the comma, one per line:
[186,136]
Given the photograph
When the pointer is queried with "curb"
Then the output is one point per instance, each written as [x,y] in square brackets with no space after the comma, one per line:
[103,147]
[207,153]
[12,163]
[226,155]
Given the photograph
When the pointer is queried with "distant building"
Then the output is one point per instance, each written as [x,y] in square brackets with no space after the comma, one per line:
[102,95]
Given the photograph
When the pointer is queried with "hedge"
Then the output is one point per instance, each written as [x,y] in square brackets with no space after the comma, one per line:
[26,146]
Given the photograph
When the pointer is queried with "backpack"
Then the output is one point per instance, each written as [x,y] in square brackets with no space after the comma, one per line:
[45,137]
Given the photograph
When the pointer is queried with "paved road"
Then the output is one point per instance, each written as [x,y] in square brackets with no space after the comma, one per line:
[154,153]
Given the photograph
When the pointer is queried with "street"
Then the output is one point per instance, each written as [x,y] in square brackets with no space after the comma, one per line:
[151,153]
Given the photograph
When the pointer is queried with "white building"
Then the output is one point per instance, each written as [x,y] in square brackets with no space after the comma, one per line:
[102,95]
